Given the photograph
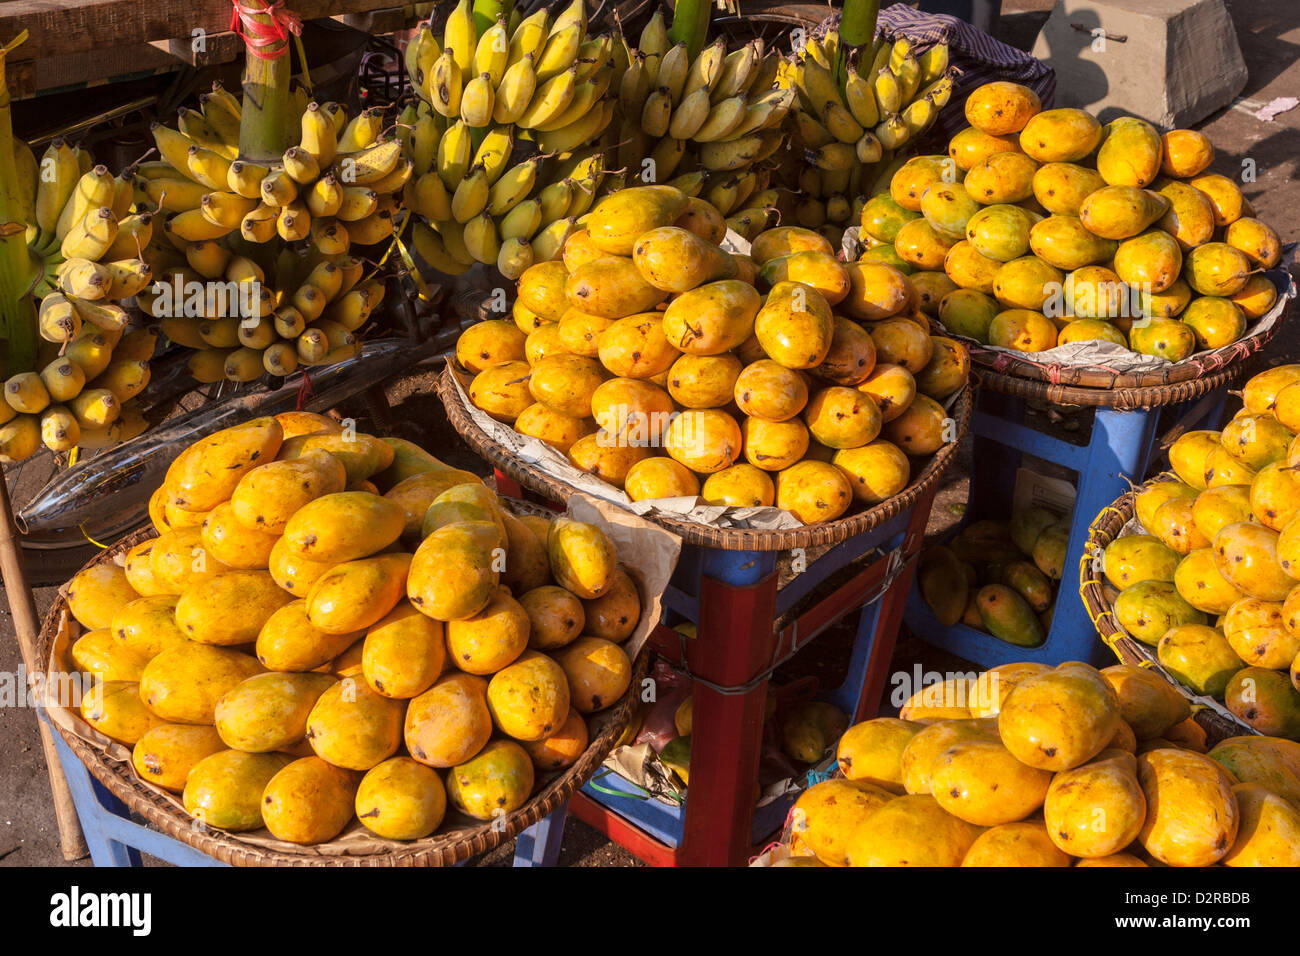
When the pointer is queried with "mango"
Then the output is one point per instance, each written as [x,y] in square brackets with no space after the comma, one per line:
[1167,304]
[409,459]
[224,790]
[1015,844]
[139,571]
[636,346]
[268,712]
[1096,810]
[993,686]
[404,653]
[495,782]
[1256,298]
[583,559]
[633,411]
[489,343]
[598,672]
[1190,217]
[146,626]
[908,184]
[491,638]
[771,391]
[809,729]
[101,654]
[947,207]
[1223,505]
[1257,240]
[740,486]
[1224,195]
[1192,815]
[876,471]
[1200,657]
[600,455]
[1130,153]
[614,615]
[968,313]
[1064,242]
[1185,153]
[872,752]
[309,801]
[529,698]
[1165,338]
[971,146]
[924,748]
[827,813]
[704,381]
[1001,107]
[981,782]
[578,332]
[673,259]
[1247,557]
[502,391]
[453,573]
[1202,585]
[1188,455]
[344,526]
[1174,524]
[619,219]
[892,387]
[660,478]
[354,595]
[910,831]
[292,573]
[1216,269]
[931,287]
[1059,720]
[877,291]
[1264,699]
[556,616]
[203,612]
[813,491]
[1062,187]
[95,593]
[1026,283]
[288,641]
[1060,135]
[207,472]
[1152,258]
[1023,330]
[1148,609]
[1001,178]
[1148,702]
[1131,559]
[542,287]
[1268,761]
[115,709]
[922,429]
[795,326]
[611,287]
[294,424]
[352,727]
[183,683]
[449,723]
[562,748]
[1269,829]
[882,217]
[401,799]
[1000,231]
[165,754]
[362,455]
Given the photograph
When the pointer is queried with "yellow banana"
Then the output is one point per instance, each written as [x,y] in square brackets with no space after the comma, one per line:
[934,63]
[530,36]
[673,69]
[370,165]
[522,221]
[889,93]
[559,54]
[301,166]
[548,243]
[492,54]
[901,49]
[278,188]
[193,124]
[578,133]
[512,187]
[657,112]
[325,196]
[869,148]
[481,239]
[724,116]
[175,195]
[193,226]
[818,87]
[419,55]
[424,143]
[861,100]
[329,237]
[840,123]
[515,91]
[91,236]
[59,429]
[556,199]
[892,131]
[26,393]
[58,175]
[127,277]
[471,195]
[455,150]
[243,365]
[461,35]
[909,77]
[63,379]
[244,269]
[690,115]
[226,209]
[653,42]
[706,69]
[919,115]
[209,168]
[575,14]
[174,147]
[551,99]
[358,203]
[223,113]
[94,189]
[429,247]
[245,178]
[208,258]
[731,154]
[429,197]
[634,86]
[280,359]
[259,225]
[57,320]
[692,184]
[667,155]
[362,131]
[494,152]
[514,258]
[445,84]
[289,322]
[319,135]
[738,70]
[478,100]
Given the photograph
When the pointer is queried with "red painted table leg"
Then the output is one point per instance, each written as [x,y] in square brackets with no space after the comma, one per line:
[736,642]
[508,486]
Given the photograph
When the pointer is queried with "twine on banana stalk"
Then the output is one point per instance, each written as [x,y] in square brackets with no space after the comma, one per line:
[265,29]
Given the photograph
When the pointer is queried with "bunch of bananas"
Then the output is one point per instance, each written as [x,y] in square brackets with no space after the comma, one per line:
[715,121]
[280,232]
[848,135]
[86,247]
[524,82]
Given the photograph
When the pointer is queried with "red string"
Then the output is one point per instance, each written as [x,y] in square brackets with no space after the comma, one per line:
[258,36]
[304,390]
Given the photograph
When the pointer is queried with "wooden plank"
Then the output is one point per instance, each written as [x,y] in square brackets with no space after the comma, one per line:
[216,48]
[74,26]
[375,22]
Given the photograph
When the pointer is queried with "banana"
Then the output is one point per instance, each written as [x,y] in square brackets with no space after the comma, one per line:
[556,199]
[362,131]
[934,63]
[919,115]
[909,77]
[673,69]
[512,188]
[548,243]
[667,156]
[26,393]
[840,123]
[174,147]
[634,85]
[312,347]
[226,209]
[138,344]
[861,100]
[690,115]
[208,168]
[223,113]
[419,63]
[869,148]
[319,135]
[579,132]
[59,429]
[494,152]
[20,438]
[455,150]
[193,124]
[91,236]
[57,319]
[818,87]
[514,258]
[461,35]
[560,53]
[278,188]
[445,84]
[901,49]
[594,55]
[551,99]
[530,36]
[63,379]
[522,221]
[127,277]
[245,178]
[811,132]
[259,225]
[653,43]
[706,70]
[329,237]
[175,195]
[358,203]
[59,174]
[481,239]
[301,166]
[738,69]
[255,333]
[731,154]
[892,131]
[429,247]
[125,378]
[657,113]
[94,189]
[765,76]
[815,52]
[424,143]
[515,91]
[429,197]
[280,359]
[193,226]
[478,101]
[471,195]
[325,196]
[889,93]
[492,54]
[940,91]
[370,165]
[208,258]
[690,183]
[289,322]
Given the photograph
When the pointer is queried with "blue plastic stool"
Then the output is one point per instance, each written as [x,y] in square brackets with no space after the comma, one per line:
[1122,448]
[115,840]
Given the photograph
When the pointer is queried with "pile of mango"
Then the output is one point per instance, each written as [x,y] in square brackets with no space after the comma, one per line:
[1214,582]
[669,367]
[1026,765]
[999,576]
[1042,228]
[295,648]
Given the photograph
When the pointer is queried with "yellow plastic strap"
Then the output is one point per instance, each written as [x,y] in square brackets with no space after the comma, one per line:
[82,529]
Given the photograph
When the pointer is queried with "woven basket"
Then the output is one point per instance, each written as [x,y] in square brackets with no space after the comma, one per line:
[464,839]
[1097,596]
[1147,396]
[1206,364]
[691,532]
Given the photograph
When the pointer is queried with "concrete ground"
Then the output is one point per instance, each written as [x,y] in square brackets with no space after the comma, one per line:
[1269,34]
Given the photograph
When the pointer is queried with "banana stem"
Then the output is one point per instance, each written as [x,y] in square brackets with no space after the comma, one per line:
[486,13]
[857,30]
[266,95]
[691,25]
[17,315]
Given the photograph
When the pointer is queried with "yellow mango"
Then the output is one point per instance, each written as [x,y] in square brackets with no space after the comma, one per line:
[631,411]
[598,672]
[583,559]
[676,260]
[167,753]
[795,326]
[578,332]
[1060,135]
[1023,330]
[224,789]
[621,218]
[1216,269]
[660,477]
[705,440]
[1119,212]
[103,655]
[813,491]
[1148,702]
[876,291]
[294,424]
[1255,299]
[925,746]
[183,683]
[344,526]
[820,270]
[354,595]
[774,446]
[495,782]
[288,641]
[740,486]
[415,494]
[1251,558]
[979,781]
[234,544]
[1001,107]
[563,748]
[267,497]
[1025,283]
[614,615]
[611,287]
[1192,814]
[602,456]
[206,473]
[713,318]
[455,569]
[1059,720]
[1258,240]
[827,813]
[1224,195]
[296,575]
[147,625]
[178,560]
[636,346]
[361,455]
[96,593]
[1061,188]
[556,616]
[408,459]
[921,245]
[229,609]
[872,752]
[931,287]
[449,723]
[139,570]
[268,712]
[489,343]
[401,799]
[1185,153]
[490,639]
[999,232]
[309,801]
[1269,831]
[911,830]
[351,726]
[1096,810]
[1190,217]
[1002,178]
[921,430]
[541,289]
[972,146]
[1130,154]
[404,653]
[909,184]
[787,240]
[876,471]
[768,390]
[1015,844]
[529,698]
[1066,243]
[502,391]
[841,417]
[1153,259]
[115,709]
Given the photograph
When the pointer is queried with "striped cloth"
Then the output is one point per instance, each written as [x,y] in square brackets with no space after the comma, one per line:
[975,58]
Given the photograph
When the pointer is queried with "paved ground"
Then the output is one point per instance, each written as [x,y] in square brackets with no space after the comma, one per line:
[1269,33]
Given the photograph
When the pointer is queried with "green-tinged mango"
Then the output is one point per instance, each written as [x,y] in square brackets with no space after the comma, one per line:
[1066,243]
[496,782]
[1134,558]
[1200,657]
[224,790]
[1001,178]
[1008,617]
[1150,608]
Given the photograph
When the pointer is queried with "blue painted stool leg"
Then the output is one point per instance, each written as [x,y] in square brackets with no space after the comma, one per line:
[539,845]
[93,801]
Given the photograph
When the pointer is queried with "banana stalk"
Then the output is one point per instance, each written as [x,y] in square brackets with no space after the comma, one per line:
[266,97]
[486,12]
[691,25]
[857,31]
[17,312]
